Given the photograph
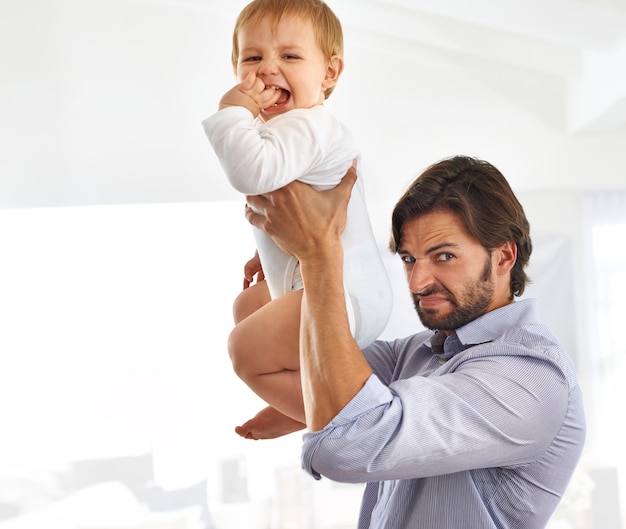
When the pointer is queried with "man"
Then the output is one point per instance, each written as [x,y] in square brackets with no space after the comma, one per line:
[476,423]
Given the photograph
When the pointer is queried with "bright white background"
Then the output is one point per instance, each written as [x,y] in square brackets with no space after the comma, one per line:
[114,326]
[121,243]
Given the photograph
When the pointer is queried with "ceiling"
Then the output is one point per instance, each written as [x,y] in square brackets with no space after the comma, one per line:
[101,100]
[581,44]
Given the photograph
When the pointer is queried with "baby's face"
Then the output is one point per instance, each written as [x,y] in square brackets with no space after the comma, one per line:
[287,57]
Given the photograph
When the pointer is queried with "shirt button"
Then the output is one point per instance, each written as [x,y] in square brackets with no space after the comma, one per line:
[442,361]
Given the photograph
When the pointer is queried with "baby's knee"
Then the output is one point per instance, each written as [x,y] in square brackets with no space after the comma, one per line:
[250,300]
[241,307]
[236,347]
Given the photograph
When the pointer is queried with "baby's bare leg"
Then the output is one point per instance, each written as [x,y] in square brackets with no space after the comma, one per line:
[250,300]
[269,423]
[264,350]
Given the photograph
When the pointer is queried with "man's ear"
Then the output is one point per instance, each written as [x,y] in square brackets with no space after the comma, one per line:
[507,255]
[333,71]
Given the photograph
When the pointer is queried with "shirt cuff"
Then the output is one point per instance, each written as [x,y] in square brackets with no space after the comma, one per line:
[372,395]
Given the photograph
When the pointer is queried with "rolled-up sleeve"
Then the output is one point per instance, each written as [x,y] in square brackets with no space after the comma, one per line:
[355,418]
[498,410]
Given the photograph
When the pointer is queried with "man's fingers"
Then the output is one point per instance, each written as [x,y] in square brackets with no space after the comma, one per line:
[348,181]
[257,220]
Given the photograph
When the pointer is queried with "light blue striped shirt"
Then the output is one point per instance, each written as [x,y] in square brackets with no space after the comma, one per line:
[482,431]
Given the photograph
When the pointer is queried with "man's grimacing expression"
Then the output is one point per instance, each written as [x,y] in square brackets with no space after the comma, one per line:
[453,279]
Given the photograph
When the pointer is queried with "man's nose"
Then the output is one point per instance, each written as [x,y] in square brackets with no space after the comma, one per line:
[420,277]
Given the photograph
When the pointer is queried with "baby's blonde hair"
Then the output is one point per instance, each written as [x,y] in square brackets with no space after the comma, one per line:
[326,25]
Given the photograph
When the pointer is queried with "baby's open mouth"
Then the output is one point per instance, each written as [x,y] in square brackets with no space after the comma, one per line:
[284,96]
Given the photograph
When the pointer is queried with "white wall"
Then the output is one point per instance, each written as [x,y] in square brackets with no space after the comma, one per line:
[101,102]
[114,325]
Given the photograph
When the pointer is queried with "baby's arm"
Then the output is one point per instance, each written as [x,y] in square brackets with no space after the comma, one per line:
[303,144]
[251,93]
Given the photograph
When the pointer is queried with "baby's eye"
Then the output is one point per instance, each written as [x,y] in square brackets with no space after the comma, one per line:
[289,56]
[251,59]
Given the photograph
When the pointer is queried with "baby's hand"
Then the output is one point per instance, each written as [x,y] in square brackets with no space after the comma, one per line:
[250,93]
[252,268]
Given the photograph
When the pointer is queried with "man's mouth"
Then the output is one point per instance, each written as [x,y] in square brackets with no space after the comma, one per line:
[432,298]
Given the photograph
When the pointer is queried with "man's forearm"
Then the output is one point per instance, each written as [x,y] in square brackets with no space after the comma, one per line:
[333,369]
[308,225]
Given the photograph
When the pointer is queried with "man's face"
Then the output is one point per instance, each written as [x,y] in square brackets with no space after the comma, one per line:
[450,274]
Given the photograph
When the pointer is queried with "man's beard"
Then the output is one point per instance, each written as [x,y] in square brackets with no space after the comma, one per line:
[475,298]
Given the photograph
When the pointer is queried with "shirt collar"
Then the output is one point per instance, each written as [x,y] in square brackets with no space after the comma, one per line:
[496,322]
[486,328]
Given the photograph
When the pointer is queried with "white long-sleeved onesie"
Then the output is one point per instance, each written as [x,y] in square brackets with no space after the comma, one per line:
[312,146]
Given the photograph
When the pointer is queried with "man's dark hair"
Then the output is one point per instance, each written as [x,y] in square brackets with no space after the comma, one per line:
[481,197]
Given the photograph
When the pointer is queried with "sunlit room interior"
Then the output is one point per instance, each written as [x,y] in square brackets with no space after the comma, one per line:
[122,244]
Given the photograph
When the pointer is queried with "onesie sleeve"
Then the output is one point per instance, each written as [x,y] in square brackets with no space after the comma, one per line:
[298,145]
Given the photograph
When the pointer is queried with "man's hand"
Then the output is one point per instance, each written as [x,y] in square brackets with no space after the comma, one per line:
[250,93]
[308,224]
[300,219]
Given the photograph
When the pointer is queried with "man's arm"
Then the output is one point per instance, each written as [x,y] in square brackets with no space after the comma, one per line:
[332,367]
[308,224]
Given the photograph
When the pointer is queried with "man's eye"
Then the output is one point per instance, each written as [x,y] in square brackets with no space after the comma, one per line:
[407,259]
[445,256]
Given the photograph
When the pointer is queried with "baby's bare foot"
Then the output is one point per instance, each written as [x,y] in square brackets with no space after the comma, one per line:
[269,423]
